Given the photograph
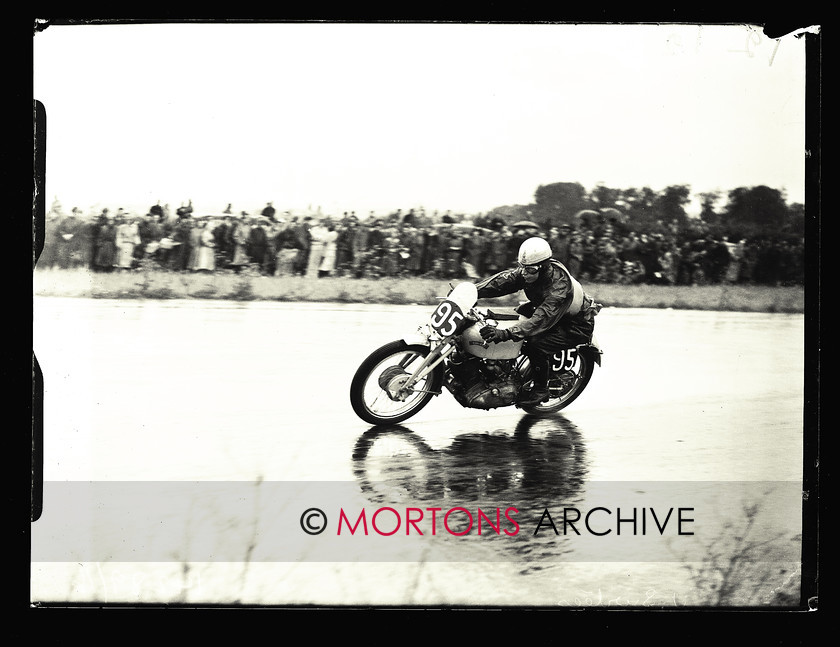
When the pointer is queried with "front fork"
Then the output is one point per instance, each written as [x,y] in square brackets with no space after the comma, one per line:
[440,352]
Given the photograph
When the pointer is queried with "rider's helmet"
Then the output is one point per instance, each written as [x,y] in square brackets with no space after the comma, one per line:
[534,250]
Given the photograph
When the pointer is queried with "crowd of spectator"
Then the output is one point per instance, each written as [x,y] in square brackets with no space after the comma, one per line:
[412,244]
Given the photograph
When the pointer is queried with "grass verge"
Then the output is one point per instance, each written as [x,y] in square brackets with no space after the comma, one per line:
[243,287]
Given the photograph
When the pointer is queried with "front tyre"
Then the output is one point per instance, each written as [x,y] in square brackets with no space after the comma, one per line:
[373,403]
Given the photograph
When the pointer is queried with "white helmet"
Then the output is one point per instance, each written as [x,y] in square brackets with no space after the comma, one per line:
[534,250]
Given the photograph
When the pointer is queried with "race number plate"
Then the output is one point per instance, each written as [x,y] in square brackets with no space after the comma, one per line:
[446,317]
[564,360]
[450,311]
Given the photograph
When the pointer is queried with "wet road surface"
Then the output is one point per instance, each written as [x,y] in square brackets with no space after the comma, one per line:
[691,409]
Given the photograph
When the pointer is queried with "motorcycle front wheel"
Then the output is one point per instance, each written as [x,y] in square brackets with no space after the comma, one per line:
[564,388]
[394,361]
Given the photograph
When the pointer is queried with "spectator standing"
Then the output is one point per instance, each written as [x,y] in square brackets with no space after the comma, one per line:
[68,229]
[258,242]
[733,268]
[391,248]
[560,240]
[347,231]
[609,265]
[716,260]
[222,235]
[496,253]
[182,236]
[82,253]
[432,251]
[318,235]
[289,246]
[303,232]
[648,251]
[327,266]
[514,241]
[748,261]
[93,228]
[126,239]
[372,263]
[185,210]
[206,257]
[195,243]
[575,252]
[269,211]
[269,264]
[412,242]
[359,247]
[145,232]
[589,262]
[240,235]
[475,248]
[106,244]
[668,260]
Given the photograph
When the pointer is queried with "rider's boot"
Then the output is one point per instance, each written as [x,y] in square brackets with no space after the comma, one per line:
[540,366]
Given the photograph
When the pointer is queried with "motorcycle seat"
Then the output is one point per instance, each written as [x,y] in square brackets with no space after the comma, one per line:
[503,316]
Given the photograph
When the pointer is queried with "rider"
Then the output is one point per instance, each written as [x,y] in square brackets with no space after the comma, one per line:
[560,314]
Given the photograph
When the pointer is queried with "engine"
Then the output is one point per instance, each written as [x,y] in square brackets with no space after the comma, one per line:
[482,383]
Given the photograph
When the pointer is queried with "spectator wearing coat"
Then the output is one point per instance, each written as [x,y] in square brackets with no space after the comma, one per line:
[206,257]
[560,239]
[182,236]
[327,266]
[106,245]
[195,244]
[302,231]
[257,242]
[475,249]
[412,241]
[127,239]
[240,235]
[318,236]
[289,247]
[69,228]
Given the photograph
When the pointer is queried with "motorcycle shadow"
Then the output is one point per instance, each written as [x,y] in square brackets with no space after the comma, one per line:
[541,462]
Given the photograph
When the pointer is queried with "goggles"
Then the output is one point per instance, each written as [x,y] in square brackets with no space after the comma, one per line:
[529,269]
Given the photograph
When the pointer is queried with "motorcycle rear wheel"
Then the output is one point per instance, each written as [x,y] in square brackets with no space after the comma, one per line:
[563,392]
[372,403]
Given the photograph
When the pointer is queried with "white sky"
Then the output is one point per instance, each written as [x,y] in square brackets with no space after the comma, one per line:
[379,117]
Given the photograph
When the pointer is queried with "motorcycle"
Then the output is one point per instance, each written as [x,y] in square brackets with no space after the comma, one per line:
[397,380]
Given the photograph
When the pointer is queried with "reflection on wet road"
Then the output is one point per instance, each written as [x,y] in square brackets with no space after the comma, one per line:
[213,391]
[543,459]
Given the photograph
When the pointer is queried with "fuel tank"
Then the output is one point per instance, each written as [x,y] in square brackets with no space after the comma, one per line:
[474,344]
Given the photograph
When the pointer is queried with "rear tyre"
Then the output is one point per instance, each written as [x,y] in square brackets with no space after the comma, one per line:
[369,395]
[565,388]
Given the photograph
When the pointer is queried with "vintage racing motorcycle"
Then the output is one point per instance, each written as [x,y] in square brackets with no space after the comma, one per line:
[397,380]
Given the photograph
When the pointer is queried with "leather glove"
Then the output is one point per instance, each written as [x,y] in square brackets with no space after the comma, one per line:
[495,335]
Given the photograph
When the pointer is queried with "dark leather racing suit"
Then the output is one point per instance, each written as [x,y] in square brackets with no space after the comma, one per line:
[560,314]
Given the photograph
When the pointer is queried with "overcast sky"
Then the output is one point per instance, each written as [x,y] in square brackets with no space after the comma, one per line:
[384,116]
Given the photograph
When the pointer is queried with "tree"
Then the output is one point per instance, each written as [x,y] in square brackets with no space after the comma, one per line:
[796,219]
[508,214]
[558,202]
[641,211]
[670,204]
[756,210]
[604,197]
[707,208]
